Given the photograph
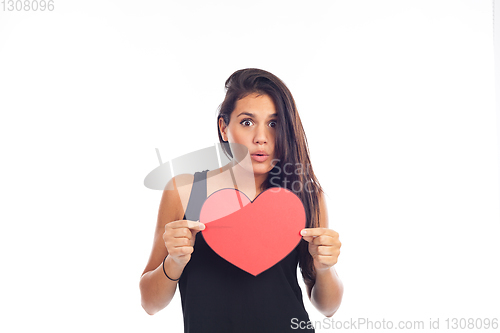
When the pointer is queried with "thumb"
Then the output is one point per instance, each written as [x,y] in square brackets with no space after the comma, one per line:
[197,228]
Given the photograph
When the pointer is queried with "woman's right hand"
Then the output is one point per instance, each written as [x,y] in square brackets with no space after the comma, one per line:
[179,238]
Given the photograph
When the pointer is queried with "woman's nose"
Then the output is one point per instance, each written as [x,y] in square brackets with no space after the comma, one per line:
[261,135]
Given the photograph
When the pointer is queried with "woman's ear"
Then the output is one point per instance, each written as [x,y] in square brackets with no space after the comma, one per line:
[223,129]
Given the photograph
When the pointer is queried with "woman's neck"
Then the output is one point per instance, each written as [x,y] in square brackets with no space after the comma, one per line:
[244,179]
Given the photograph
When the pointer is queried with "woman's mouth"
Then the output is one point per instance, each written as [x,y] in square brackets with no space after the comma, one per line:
[259,157]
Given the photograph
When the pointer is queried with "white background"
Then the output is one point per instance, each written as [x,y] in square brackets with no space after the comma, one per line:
[396,98]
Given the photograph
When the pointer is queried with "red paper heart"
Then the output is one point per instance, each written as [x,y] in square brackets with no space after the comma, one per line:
[253,236]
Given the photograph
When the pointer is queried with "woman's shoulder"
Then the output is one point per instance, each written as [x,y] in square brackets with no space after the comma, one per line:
[183,183]
[178,191]
[174,199]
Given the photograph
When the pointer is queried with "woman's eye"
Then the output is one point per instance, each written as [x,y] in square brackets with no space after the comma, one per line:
[248,122]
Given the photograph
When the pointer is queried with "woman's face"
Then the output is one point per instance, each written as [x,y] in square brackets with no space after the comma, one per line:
[253,124]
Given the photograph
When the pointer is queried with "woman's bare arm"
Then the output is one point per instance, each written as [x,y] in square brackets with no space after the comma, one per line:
[327,291]
[171,232]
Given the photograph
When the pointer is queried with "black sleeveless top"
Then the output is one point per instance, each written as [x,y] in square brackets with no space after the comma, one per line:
[218,297]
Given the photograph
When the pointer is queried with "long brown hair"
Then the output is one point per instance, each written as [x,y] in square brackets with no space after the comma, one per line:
[291,147]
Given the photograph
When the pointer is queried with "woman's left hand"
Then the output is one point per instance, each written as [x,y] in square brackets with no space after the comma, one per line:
[324,246]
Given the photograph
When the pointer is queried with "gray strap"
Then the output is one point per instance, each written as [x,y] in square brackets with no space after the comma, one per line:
[197,197]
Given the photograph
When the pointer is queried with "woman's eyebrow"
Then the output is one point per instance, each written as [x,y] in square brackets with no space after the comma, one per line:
[252,115]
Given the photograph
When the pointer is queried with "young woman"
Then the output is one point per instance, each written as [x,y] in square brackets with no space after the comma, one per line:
[258,113]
